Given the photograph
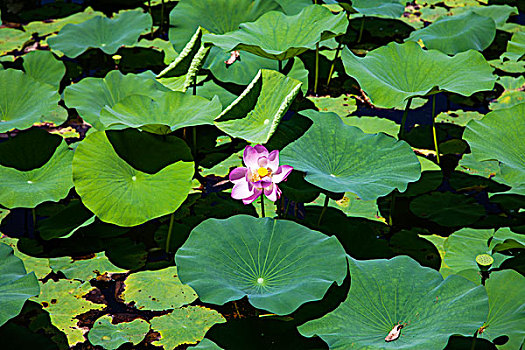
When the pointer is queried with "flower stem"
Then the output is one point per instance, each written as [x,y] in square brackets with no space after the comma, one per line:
[325,206]
[262,206]
[316,68]
[170,230]
[404,119]
[361,30]
[339,47]
[434,127]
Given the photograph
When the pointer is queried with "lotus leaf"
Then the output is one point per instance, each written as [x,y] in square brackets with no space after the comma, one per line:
[348,160]
[187,325]
[499,136]
[256,113]
[16,286]
[119,194]
[343,105]
[499,13]
[206,344]
[278,36]
[516,47]
[27,189]
[506,308]
[90,95]
[385,293]
[40,266]
[43,67]
[110,336]
[507,65]
[278,264]
[455,34]
[373,125]
[395,72]
[182,63]
[157,290]
[505,239]
[64,301]
[84,269]
[101,32]
[380,8]
[25,101]
[164,114]
[12,39]
[51,26]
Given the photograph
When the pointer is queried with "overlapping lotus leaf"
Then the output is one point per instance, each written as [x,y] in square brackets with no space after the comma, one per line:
[278,36]
[40,266]
[499,13]
[395,72]
[515,47]
[16,286]
[278,264]
[186,325]
[54,25]
[384,293]
[506,309]
[43,67]
[379,8]
[164,114]
[342,158]
[206,344]
[84,269]
[157,290]
[454,34]
[90,95]
[499,136]
[12,39]
[25,101]
[50,182]
[256,113]
[110,336]
[101,32]
[119,194]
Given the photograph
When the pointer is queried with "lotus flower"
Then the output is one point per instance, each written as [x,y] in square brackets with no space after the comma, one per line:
[262,174]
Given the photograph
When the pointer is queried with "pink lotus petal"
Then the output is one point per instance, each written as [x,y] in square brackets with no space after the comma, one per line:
[242,190]
[282,173]
[272,192]
[238,174]
[264,182]
[250,157]
[256,194]
[263,152]
[273,160]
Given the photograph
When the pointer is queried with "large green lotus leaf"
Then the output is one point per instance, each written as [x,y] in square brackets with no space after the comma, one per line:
[343,105]
[187,325]
[64,301]
[12,39]
[379,8]
[226,16]
[278,36]
[90,95]
[454,34]
[40,266]
[25,101]
[499,136]
[54,25]
[505,239]
[278,264]
[157,290]
[16,286]
[182,63]
[101,32]
[110,336]
[162,115]
[84,269]
[353,206]
[508,66]
[499,13]
[447,209]
[206,344]
[385,292]
[373,125]
[256,113]
[43,67]
[515,47]
[119,194]
[342,158]
[27,189]
[395,72]
[506,308]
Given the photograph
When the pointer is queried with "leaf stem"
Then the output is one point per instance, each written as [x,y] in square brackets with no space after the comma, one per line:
[33,211]
[392,207]
[361,30]
[325,206]
[339,47]
[162,16]
[404,119]
[194,134]
[316,68]
[434,127]
[149,10]
[280,66]
[170,230]
[473,347]
[262,206]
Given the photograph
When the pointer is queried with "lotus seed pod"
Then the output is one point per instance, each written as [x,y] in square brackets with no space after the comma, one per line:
[484,261]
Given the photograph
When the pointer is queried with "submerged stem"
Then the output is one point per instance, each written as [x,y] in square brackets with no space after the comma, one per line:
[325,206]
[434,127]
[404,120]
[316,68]
[170,230]
[339,47]
[361,30]
[262,206]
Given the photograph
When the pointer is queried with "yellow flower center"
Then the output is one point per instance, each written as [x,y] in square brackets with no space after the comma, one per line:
[262,172]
